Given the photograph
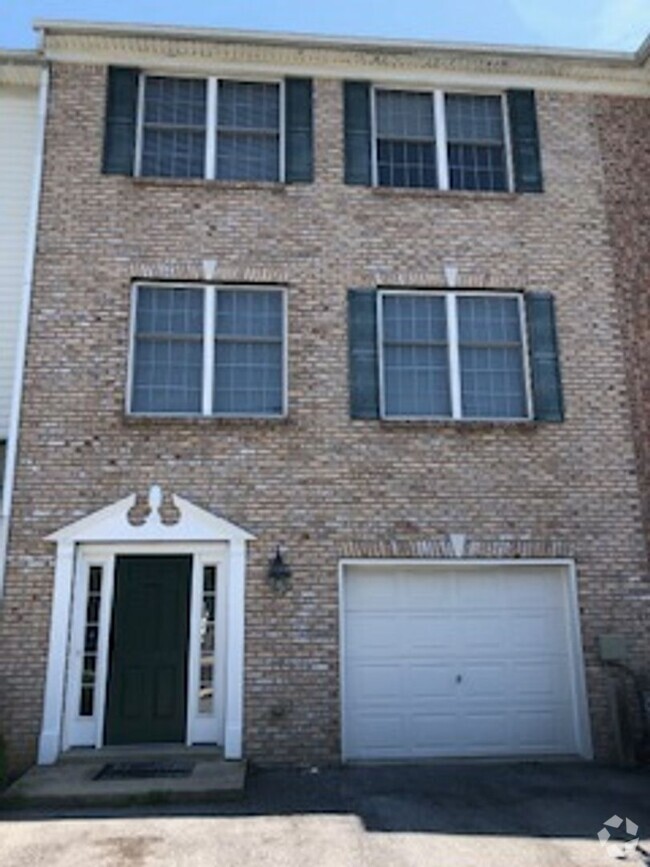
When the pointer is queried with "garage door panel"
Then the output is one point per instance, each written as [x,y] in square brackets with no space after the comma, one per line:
[382,599]
[433,731]
[377,735]
[541,731]
[479,592]
[543,680]
[430,683]
[378,634]
[426,633]
[474,661]
[427,597]
[482,731]
[369,683]
[479,633]
[537,631]
[484,679]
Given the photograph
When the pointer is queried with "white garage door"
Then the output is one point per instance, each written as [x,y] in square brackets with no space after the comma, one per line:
[460,661]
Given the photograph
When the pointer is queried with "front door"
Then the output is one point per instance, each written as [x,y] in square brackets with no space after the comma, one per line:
[147,680]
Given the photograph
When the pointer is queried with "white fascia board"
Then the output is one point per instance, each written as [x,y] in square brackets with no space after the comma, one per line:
[210,52]
[304,40]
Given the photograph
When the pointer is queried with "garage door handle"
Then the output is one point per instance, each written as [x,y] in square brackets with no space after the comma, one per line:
[459,678]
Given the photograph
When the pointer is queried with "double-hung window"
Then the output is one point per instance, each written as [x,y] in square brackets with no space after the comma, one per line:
[458,355]
[210,128]
[448,141]
[208,350]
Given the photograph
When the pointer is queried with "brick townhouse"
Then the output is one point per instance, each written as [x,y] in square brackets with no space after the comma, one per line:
[327,444]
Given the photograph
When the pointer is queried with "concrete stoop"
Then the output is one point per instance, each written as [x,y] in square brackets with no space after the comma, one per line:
[71,781]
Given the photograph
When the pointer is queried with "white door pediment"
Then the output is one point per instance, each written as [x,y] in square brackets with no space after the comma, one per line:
[112,524]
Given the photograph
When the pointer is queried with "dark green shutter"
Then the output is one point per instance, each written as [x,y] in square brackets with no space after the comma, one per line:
[525,141]
[120,121]
[299,154]
[362,340]
[356,98]
[544,357]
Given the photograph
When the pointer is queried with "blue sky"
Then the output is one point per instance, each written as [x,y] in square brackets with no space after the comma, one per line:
[591,24]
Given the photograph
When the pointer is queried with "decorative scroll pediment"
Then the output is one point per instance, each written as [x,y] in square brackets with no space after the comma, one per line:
[113,524]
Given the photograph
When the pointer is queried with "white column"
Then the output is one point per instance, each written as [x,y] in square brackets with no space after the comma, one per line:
[234,723]
[50,740]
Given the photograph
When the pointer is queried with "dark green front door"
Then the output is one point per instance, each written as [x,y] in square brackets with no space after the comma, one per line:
[147,680]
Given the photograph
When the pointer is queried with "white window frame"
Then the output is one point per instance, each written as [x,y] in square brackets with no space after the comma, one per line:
[453,349]
[440,132]
[210,292]
[211,126]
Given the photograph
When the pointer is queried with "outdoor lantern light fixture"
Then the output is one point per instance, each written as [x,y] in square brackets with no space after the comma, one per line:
[279,572]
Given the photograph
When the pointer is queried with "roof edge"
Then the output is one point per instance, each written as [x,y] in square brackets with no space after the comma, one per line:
[329,41]
[23,56]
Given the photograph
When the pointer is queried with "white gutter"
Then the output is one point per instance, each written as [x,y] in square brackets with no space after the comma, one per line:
[306,40]
[23,329]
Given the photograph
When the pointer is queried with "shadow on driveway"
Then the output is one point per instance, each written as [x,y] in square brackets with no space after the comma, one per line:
[535,799]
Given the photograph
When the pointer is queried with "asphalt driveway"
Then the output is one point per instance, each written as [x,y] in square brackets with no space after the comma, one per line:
[525,815]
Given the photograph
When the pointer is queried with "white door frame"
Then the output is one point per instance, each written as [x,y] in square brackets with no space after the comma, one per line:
[581,720]
[199,728]
[99,538]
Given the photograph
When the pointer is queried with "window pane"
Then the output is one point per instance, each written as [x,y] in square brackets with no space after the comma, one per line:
[416,381]
[175,101]
[476,119]
[167,376]
[416,360]
[476,149]
[248,378]
[406,153]
[173,132]
[248,352]
[243,313]
[168,358]
[247,156]
[208,634]
[404,114]
[406,164]
[249,105]
[91,641]
[174,153]
[248,131]
[491,358]
[489,320]
[163,310]
[414,318]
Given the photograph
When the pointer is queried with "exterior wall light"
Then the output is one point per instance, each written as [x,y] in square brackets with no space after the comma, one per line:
[279,572]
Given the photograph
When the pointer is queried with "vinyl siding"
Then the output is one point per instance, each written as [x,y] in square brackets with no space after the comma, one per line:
[18,128]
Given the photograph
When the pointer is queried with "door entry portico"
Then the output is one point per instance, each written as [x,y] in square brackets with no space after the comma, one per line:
[147,678]
[147,630]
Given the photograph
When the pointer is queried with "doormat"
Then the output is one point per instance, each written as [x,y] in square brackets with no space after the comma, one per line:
[144,770]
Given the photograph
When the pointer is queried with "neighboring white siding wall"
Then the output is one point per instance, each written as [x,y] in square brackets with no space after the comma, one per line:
[18,133]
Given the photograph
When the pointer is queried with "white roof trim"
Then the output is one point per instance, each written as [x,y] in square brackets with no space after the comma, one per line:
[326,40]
[228,52]
[111,524]
[22,68]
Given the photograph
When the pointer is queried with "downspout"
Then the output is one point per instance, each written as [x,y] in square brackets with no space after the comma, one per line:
[23,329]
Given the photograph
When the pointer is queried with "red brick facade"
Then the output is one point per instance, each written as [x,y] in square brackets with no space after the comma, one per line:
[323,485]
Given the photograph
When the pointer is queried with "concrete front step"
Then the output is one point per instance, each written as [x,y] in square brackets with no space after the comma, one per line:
[71,781]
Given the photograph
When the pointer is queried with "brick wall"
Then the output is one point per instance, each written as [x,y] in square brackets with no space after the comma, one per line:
[318,482]
[624,129]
